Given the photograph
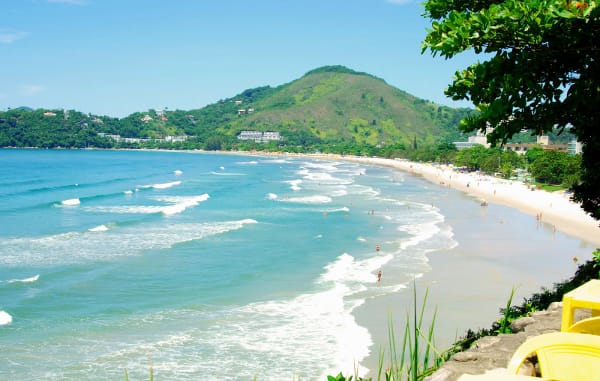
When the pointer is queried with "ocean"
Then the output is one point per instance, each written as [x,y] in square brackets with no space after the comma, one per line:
[200,265]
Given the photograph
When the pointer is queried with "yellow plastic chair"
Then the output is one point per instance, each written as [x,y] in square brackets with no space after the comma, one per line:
[590,326]
[586,296]
[564,356]
[498,376]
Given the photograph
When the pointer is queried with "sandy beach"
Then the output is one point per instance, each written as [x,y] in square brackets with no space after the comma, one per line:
[553,208]
[523,239]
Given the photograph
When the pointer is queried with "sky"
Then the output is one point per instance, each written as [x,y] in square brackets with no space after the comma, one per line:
[116,57]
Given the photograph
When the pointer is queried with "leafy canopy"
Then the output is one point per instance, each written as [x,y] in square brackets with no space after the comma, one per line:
[541,70]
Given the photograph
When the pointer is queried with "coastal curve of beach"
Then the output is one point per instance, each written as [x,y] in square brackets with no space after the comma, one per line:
[555,208]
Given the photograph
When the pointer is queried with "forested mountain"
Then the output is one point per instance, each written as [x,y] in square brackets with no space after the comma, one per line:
[332,107]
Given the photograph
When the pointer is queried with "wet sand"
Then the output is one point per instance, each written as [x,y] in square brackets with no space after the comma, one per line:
[499,248]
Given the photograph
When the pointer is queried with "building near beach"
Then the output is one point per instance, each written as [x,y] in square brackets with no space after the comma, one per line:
[480,139]
[259,136]
[575,147]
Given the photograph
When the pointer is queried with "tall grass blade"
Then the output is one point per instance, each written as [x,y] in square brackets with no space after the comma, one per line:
[505,321]
[415,350]
[380,363]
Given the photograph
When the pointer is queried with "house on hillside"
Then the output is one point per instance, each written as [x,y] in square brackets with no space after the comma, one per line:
[258,136]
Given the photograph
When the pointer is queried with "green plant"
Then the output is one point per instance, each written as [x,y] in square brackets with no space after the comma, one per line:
[596,255]
[509,315]
[417,356]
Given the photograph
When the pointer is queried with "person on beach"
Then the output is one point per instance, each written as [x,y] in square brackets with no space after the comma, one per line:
[379,276]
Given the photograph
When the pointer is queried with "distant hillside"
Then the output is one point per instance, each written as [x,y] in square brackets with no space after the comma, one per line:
[331,106]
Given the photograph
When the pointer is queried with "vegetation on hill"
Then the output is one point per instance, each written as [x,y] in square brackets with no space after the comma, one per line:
[332,109]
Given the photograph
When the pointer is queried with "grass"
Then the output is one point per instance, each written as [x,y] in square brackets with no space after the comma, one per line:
[417,356]
[504,323]
[550,187]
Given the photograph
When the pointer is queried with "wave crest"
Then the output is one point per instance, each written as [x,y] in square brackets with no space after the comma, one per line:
[26,280]
[5,318]
[70,202]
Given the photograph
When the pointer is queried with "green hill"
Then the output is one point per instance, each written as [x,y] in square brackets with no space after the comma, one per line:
[336,104]
[332,106]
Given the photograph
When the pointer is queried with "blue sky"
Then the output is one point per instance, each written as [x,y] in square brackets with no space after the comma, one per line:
[116,57]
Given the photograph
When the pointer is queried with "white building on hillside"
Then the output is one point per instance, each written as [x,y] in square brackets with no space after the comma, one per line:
[480,139]
[258,136]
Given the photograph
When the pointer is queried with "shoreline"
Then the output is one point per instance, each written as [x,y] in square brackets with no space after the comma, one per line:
[554,208]
[467,285]
[471,282]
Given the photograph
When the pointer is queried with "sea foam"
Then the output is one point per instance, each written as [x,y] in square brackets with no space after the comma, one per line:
[71,202]
[78,247]
[295,184]
[26,280]
[181,203]
[317,199]
[5,318]
[177,204]
[99,228]
[166,185]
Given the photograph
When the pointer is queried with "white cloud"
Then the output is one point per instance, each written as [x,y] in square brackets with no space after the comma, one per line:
[31,90]
[8,36]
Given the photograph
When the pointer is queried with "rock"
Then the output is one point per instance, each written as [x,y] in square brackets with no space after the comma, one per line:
[555,306]
[539,313]
[520,324]
[441,375]
[486,341]
[494,352]
[465,356]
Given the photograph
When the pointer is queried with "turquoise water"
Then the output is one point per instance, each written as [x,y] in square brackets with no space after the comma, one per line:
[208,266]
[201,266]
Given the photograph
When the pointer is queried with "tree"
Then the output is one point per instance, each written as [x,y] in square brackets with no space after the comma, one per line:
[550,168]
[542,70]
[471,157]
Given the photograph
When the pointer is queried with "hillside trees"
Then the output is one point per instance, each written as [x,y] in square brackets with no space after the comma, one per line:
[541,70]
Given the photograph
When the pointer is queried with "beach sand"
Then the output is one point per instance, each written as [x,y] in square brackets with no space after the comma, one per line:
[555,208]
[502,246]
